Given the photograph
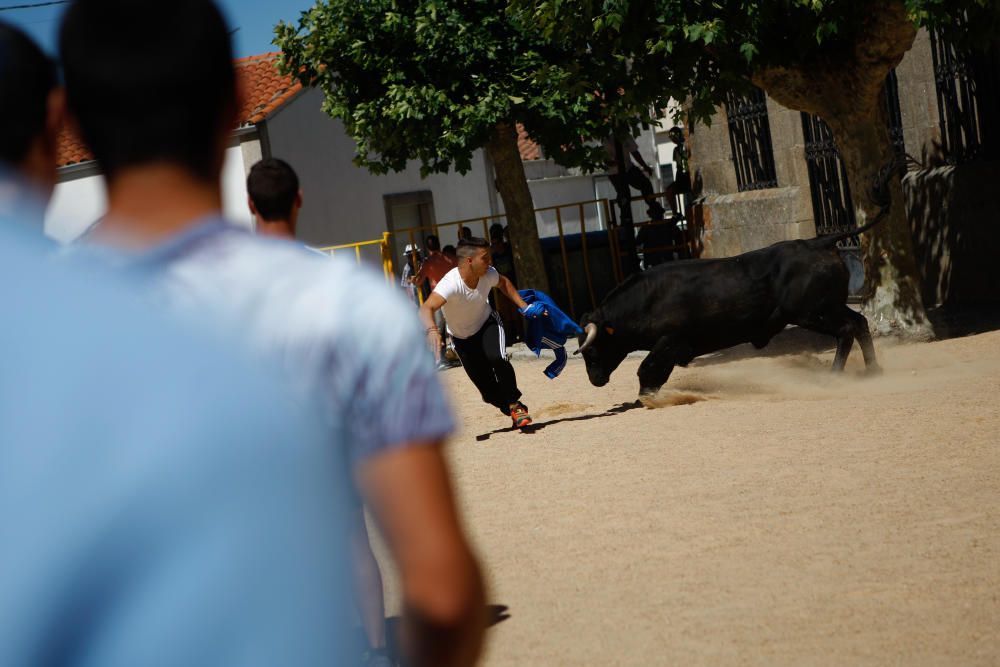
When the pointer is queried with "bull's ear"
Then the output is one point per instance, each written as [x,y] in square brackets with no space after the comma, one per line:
[610,330]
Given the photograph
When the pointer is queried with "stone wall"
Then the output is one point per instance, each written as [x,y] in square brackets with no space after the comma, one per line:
[956,232]
[741,221]
[952,210]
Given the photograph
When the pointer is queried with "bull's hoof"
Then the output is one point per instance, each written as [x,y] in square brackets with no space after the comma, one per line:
[873,371]
[647,397]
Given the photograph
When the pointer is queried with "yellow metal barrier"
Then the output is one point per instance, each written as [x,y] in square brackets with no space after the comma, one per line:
[385,253]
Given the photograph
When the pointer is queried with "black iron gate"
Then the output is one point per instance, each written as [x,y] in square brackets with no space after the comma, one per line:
[894,115]
[833,211]
[750,140]
[968,87]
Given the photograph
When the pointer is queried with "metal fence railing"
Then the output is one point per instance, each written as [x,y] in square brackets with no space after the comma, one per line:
[584,258]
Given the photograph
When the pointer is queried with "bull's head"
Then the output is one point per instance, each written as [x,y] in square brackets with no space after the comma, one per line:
[601,351]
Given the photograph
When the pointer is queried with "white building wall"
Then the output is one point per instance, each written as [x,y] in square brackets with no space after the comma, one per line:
[234,188]
[343,203]
[79,199]
[77,203]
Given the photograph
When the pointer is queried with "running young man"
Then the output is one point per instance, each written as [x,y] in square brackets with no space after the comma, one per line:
[476,328]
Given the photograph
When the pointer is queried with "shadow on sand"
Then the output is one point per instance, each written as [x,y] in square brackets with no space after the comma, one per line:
[793,340]
[947,321]
[538,426]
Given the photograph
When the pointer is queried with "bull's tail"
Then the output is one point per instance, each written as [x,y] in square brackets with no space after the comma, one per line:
[879,194]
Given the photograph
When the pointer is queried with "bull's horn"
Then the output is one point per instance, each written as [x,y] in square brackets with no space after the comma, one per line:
[591,330]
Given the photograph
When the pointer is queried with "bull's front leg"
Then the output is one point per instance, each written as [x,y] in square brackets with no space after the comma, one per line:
[656,367]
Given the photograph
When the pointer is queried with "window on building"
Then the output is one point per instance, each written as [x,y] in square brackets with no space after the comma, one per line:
[968,85]
[750,138]
[833,211]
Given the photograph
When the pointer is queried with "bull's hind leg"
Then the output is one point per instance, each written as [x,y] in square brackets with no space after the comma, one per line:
[656,367]
[838,325]
[851,324]
[846,325]
[864,336]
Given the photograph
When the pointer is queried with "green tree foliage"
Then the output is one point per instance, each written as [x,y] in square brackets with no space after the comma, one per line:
[825,57]
[434,80]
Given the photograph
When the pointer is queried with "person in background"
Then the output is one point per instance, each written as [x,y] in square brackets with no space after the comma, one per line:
[435,265]
[432,270]
[146,516]
[412,254]
[159,128]
[628,174]
[503,261]
[32,114]
[682,181]
[275,200]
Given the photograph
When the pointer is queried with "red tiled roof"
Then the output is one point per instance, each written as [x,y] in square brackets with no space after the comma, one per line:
[529,149]
[261,88]
[72,150]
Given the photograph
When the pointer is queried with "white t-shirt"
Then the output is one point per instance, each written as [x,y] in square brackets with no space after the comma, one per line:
[465,309]
[341,334]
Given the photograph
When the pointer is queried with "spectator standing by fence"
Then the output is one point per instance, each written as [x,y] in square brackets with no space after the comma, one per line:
[432,270]
[627,174]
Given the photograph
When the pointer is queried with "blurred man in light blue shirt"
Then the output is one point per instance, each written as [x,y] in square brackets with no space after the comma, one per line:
[159,504]
[156,106]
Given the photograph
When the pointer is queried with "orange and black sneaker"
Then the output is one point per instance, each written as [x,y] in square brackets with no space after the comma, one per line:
[519,413]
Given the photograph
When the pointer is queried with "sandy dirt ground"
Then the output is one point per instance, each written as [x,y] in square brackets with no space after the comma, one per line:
[765,512]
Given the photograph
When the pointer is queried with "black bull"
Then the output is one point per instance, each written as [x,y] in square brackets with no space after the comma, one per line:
[679,311]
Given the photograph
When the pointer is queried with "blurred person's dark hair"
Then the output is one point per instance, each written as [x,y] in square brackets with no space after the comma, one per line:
[431,242]
[273,187]
[448,250]
[27,77]
[496,232]
[150,82]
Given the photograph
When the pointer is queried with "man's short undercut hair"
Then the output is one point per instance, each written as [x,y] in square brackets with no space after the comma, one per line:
[470,247]
[150,81]
[273,186]
[27,76]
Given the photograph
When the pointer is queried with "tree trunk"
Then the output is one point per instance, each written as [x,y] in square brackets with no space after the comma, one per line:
[845,89]
[513,186]
[892,301]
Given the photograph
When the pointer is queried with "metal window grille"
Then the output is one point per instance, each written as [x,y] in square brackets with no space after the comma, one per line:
[895,117]
[833,211]
[968,84]
[750,138]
